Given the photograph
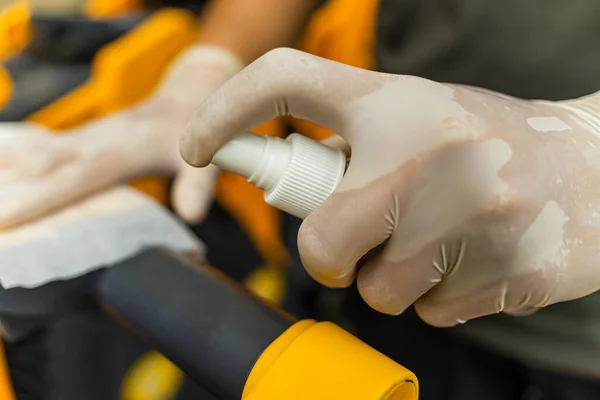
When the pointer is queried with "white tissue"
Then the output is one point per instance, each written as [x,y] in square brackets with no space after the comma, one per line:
[94,233]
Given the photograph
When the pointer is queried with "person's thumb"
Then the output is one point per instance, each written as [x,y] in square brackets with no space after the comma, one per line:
[193,192]
[282,82]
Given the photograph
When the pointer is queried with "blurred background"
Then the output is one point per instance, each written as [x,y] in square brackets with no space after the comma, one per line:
[67,62]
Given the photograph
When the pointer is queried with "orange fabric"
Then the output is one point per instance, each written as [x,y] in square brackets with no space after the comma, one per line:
[15,29]
[6,87]
[6,391]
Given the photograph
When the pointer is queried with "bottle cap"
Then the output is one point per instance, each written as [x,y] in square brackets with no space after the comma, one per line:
[297,174]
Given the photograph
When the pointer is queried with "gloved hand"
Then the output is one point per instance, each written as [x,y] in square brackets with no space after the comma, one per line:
[488,203]
[40,172]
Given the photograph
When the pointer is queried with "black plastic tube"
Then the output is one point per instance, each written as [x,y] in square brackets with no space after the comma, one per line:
[209,326]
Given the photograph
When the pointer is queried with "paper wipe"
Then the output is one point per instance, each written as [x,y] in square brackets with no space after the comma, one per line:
[97,232]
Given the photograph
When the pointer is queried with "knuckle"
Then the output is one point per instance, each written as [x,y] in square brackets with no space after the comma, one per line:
[279,57]
[284,67]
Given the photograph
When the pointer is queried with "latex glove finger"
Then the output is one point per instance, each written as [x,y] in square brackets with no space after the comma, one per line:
[518,296]
[330,251]
[283,82]
[425,248]
[193,192]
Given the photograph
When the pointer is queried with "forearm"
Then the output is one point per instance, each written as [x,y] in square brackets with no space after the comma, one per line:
[250,28]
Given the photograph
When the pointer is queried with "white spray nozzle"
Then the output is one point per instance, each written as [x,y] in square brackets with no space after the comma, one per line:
[297,174]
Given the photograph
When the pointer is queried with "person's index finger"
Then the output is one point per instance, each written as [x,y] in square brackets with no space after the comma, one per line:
[282,82]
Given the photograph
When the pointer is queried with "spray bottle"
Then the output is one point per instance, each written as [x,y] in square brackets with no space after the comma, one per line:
[296,174]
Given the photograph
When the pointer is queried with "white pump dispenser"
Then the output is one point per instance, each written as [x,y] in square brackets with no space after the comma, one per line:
[297,174]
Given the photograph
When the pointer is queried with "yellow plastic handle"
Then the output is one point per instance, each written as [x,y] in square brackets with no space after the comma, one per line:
[321,361]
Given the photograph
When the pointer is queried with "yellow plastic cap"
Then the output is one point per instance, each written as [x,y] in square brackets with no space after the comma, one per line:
[322,361]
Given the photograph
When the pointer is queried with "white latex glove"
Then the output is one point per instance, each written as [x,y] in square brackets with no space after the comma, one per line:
[40,171]
[489,203]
